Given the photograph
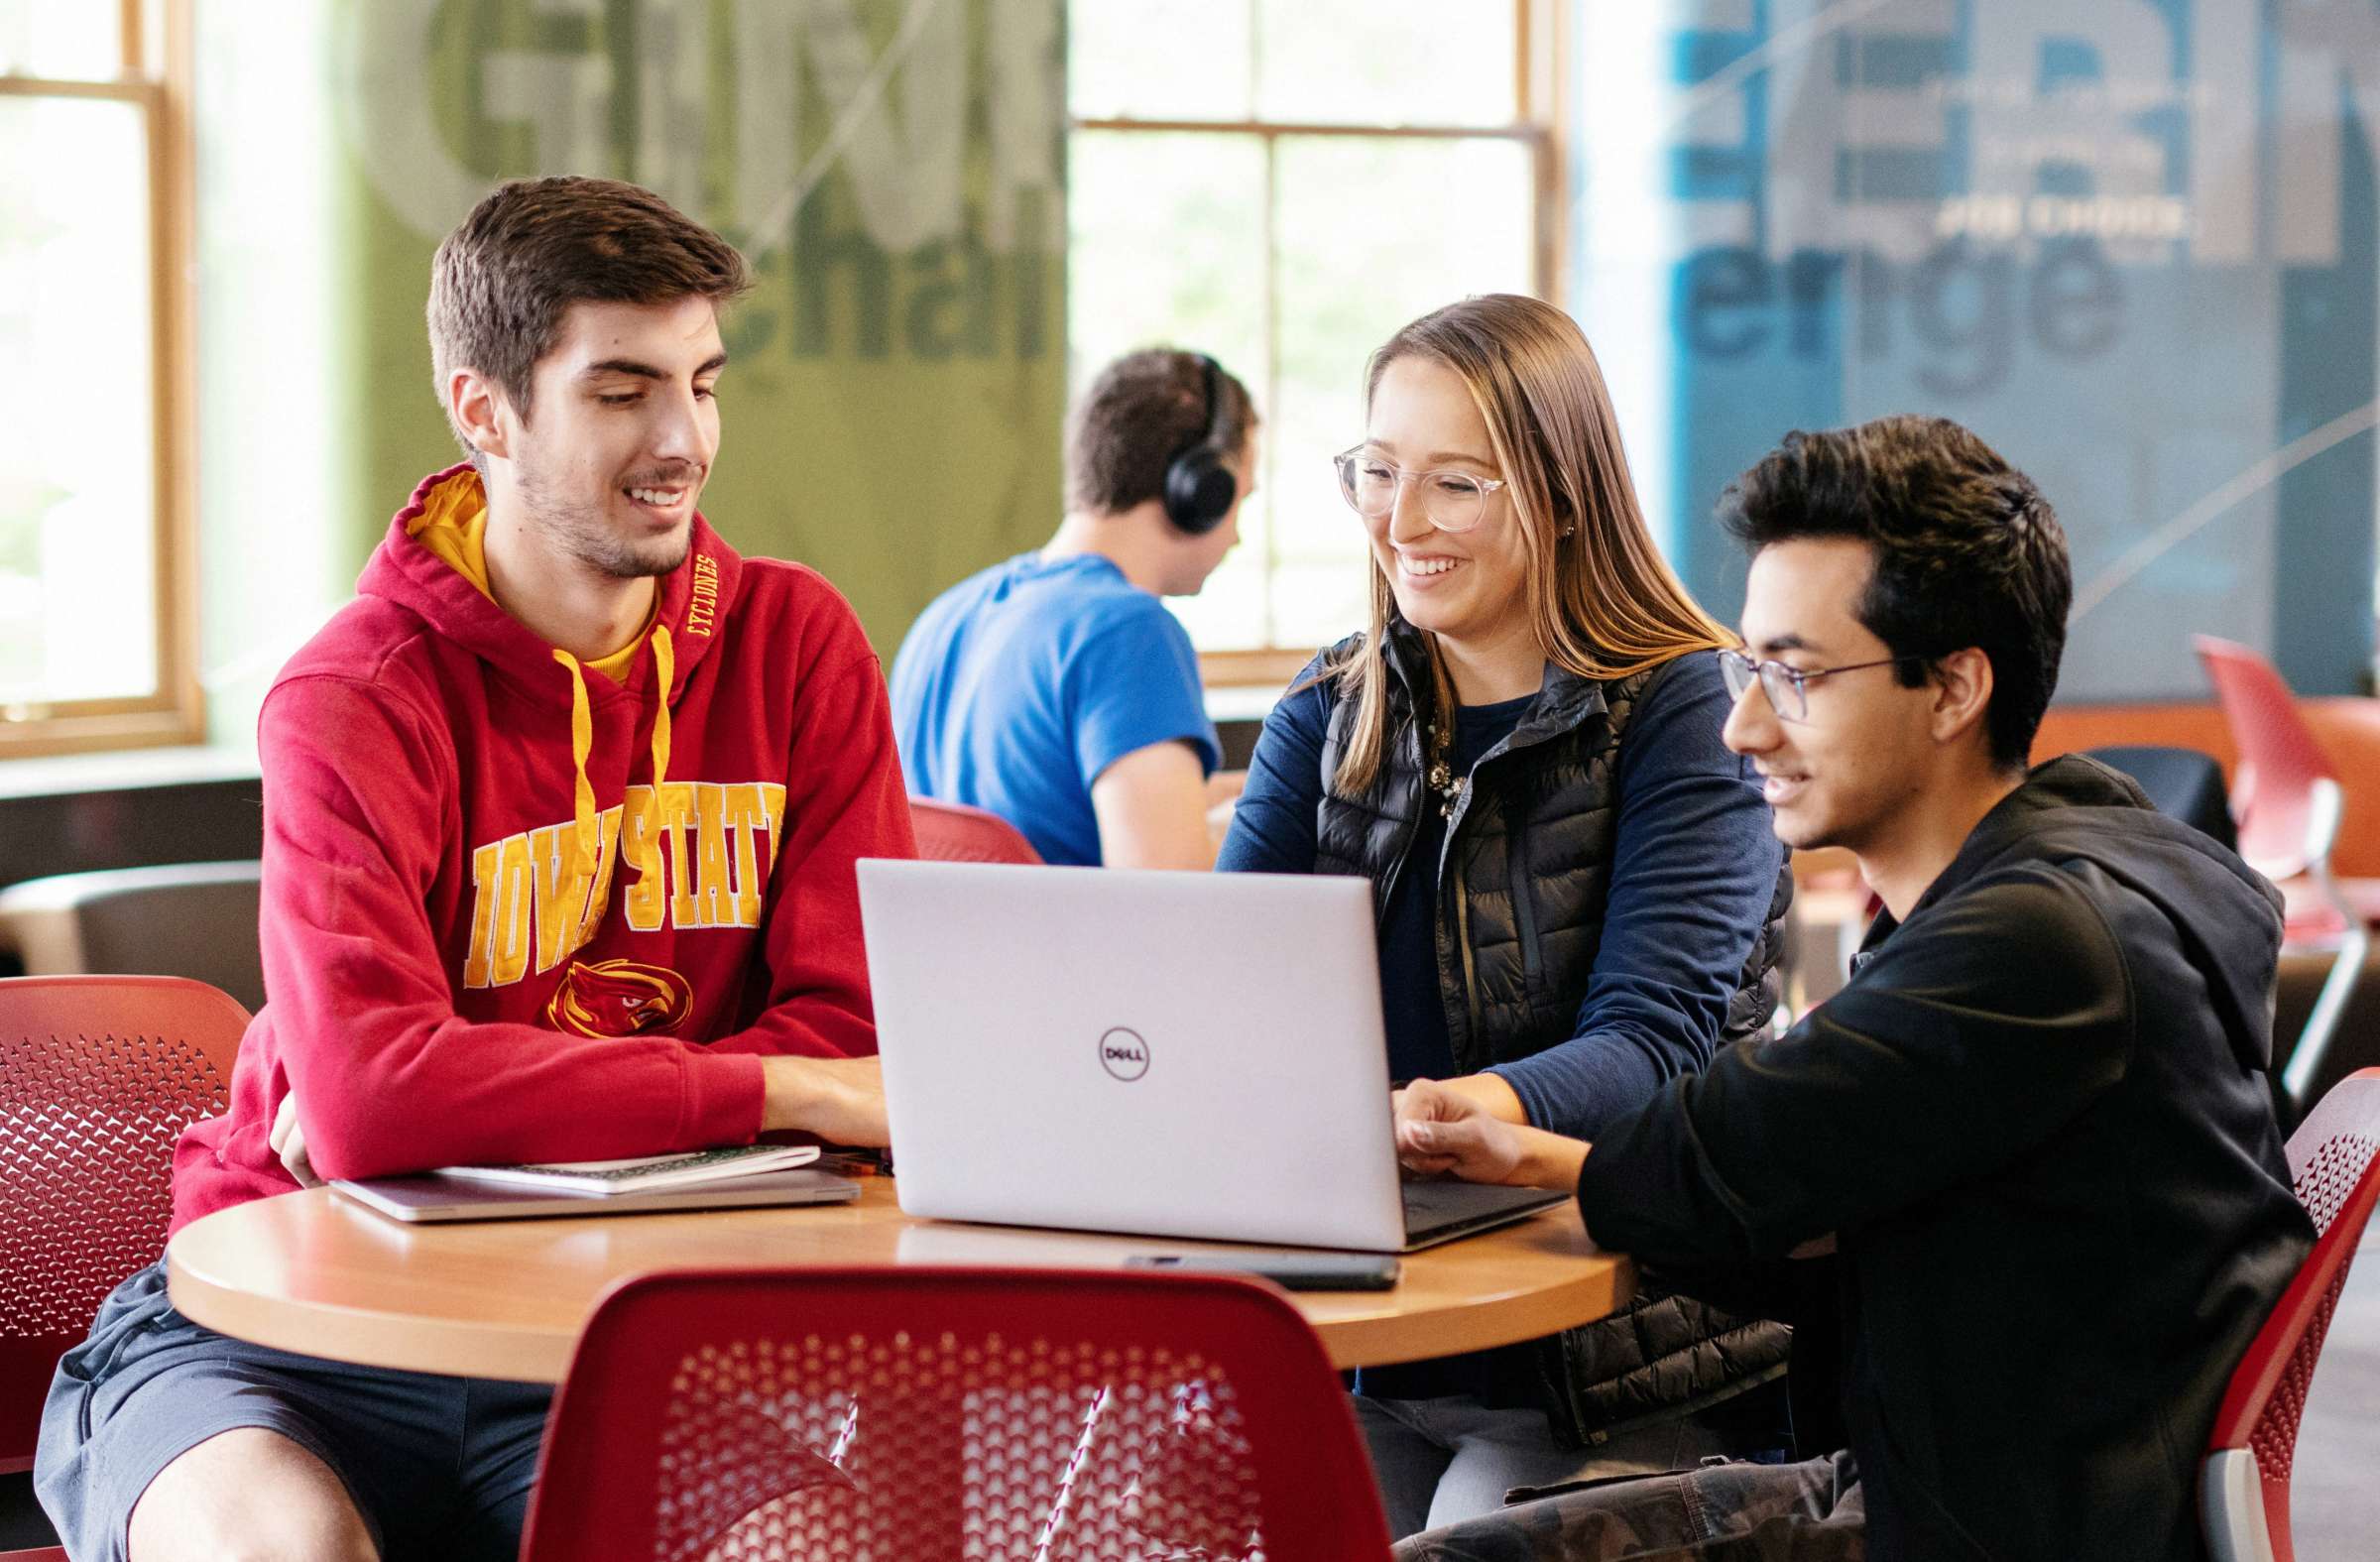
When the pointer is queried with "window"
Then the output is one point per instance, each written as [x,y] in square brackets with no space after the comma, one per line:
[95,569]
[1283,183]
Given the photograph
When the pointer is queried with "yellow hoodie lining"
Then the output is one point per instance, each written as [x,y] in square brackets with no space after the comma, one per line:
[453,526]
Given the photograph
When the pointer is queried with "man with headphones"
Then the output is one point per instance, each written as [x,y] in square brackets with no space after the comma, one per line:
[1055,689]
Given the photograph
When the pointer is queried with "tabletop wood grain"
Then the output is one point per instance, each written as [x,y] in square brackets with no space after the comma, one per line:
[317,1273]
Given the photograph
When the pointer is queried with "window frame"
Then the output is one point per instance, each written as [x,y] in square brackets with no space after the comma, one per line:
[1538,85]
[154,75]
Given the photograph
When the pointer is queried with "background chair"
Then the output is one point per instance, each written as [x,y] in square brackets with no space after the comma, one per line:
[2243,1491]
[194,919]
[921,1412]
[98,1077]
[952,832]
[2182,784]
[2285,796]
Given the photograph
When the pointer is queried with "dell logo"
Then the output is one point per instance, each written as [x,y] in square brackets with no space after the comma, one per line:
[1123,1054]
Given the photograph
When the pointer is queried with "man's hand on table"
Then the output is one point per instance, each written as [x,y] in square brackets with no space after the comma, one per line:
[839,1099]
[1442,1131]
[289,1143]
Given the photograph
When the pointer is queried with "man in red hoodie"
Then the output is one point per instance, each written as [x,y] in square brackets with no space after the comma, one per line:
[560,822]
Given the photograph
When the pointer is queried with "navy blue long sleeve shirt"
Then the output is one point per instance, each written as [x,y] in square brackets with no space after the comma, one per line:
[1694,866]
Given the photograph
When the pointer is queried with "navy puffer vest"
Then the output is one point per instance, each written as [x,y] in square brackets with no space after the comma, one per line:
[1522,886]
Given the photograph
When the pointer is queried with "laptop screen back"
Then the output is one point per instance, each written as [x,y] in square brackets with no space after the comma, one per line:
[1172,1053]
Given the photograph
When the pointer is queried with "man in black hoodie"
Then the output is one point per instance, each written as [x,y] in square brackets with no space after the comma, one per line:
[2032,1132]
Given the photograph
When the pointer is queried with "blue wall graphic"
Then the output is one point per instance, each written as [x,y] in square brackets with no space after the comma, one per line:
[2131,242]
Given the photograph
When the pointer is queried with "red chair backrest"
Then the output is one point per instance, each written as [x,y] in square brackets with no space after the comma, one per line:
[2334,1160]
[2273,785]
[935,1413]
[98,1077]
[953,832]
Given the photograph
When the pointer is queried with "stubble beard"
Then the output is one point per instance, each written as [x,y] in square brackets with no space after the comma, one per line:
[578,531]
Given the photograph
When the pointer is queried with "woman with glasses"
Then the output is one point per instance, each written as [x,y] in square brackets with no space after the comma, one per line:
[1576,885]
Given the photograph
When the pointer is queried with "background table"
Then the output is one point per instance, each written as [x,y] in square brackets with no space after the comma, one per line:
[314,1272]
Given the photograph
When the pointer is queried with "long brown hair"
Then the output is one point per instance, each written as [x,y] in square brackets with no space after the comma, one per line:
[1601,599]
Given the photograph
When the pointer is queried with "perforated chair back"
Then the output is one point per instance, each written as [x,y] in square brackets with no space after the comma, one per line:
[928,1413]
[2334,1160]
[98,1077]
[2278,786]
[953,832]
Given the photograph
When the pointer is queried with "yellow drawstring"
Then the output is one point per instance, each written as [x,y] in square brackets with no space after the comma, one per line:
[665,667]
[589,828]
[582,743]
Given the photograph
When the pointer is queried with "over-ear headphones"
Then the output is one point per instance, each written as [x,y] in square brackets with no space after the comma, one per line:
[1199,488]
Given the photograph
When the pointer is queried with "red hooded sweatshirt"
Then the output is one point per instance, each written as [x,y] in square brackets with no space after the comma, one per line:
[516,912]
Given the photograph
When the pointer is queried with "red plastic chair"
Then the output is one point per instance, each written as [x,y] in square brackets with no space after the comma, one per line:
[2286,799]
[2243,1489]
[936,1413]
[953,832]
[98,1077]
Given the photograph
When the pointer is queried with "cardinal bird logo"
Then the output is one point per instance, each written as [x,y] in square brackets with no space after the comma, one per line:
[618,998]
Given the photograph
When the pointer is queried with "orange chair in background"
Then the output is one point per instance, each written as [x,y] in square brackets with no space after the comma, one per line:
[929,1412]
[98,1077]
[2287,798]
[953,832]
[2243,1491]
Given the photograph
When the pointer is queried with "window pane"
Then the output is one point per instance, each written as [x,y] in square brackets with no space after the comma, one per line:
[78,560]
[64,40]
[1386,62]
[1158,60]
[1371,235]
[1167,246]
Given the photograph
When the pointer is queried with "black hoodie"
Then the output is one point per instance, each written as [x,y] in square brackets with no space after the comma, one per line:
[2037,1118]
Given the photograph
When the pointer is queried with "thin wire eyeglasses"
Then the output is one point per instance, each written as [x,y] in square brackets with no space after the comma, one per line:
[1455,500]
[1788,688]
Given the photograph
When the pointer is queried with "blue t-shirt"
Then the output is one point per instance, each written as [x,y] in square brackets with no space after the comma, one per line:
[1018,685]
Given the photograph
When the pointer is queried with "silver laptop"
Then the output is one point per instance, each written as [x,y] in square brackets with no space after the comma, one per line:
[1177,1055]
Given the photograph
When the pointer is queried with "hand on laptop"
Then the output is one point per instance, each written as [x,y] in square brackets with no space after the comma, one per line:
[1440,1130]
[839,1099]
[289,1143]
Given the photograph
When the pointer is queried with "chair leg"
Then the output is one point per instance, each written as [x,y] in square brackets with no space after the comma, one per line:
[2331,1005]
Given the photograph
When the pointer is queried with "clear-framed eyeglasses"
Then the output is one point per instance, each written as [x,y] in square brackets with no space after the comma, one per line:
[1787,689]
[1454,500]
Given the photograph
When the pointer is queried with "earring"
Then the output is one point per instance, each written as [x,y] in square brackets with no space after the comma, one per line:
[1567,530]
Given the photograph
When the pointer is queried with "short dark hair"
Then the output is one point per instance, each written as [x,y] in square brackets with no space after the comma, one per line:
[1143,409]
[503,280]
[1967,553]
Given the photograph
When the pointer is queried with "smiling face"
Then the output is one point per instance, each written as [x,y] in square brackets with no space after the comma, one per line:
[1466,587]
[623,430]
[1851,774]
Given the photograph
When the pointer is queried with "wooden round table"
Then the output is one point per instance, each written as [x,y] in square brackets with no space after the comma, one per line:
[317,1273]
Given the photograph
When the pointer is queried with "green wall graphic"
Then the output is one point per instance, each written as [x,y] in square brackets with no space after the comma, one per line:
[893,168]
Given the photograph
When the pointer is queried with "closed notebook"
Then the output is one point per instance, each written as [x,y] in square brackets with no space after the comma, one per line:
[601,1179]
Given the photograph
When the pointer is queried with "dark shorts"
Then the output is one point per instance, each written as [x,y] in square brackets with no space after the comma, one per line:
[438,1467]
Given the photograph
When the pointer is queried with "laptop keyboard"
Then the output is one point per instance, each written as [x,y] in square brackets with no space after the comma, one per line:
[1436,1205]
